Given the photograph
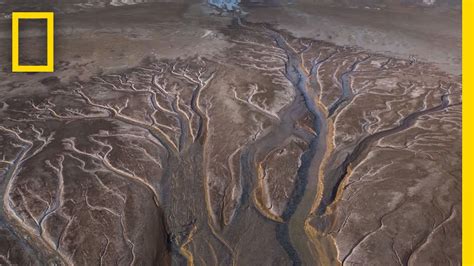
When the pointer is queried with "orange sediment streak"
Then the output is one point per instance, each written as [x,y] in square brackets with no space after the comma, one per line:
[258,197]
[324,244]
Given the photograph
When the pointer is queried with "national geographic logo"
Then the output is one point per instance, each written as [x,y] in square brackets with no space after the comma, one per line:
[49,17]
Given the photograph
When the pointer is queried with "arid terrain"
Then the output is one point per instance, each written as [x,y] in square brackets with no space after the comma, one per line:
[178,134]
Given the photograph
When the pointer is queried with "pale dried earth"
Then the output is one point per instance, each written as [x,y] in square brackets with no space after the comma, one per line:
[186,137]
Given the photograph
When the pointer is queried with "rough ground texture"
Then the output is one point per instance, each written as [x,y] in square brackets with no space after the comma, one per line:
[267,149]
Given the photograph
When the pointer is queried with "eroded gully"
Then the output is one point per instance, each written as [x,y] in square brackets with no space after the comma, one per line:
[292,232]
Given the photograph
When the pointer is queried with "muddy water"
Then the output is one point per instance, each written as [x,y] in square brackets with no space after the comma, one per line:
[305,193]
[291,233]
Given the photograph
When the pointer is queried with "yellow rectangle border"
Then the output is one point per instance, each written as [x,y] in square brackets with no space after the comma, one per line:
[467,133]
[16,16]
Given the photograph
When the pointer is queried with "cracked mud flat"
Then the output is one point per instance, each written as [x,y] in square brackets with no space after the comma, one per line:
[273,150]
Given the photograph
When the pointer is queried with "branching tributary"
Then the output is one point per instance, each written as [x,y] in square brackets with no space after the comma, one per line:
[315,189]
[291,233]
[193,231]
